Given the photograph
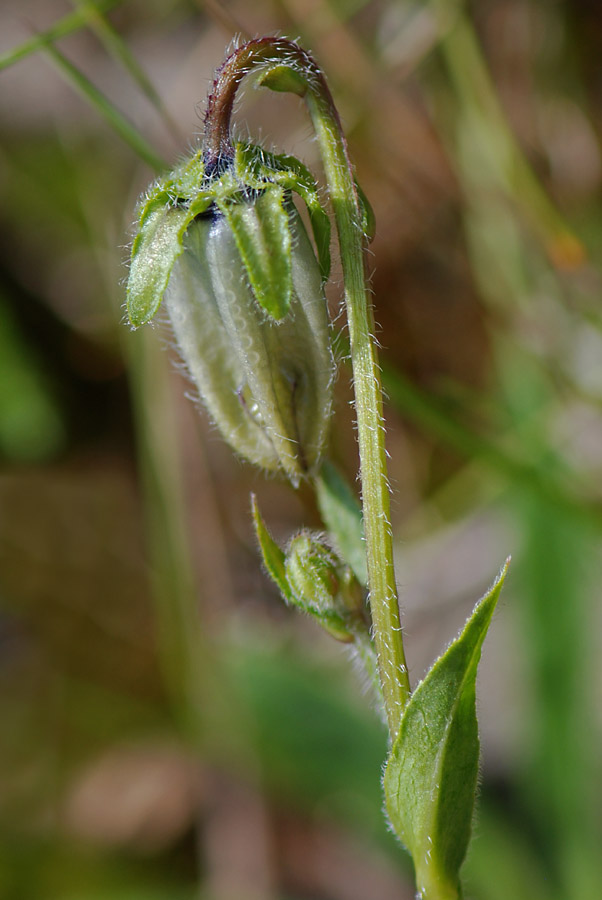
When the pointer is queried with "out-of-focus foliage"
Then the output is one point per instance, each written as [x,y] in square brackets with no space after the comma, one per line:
[166,723]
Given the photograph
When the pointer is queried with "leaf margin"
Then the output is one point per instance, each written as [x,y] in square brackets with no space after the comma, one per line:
[412,805]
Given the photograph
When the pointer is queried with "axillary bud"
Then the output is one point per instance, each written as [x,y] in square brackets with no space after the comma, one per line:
[323,586]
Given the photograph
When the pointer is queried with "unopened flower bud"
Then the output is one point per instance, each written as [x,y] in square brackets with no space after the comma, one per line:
[266,383]
[323,586]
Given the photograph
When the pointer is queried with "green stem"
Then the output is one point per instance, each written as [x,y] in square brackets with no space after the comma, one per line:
[285,66]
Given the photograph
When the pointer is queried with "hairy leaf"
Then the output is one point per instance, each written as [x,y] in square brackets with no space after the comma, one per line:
[431,775]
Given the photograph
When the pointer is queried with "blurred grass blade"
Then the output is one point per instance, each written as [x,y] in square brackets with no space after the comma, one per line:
[65,26]
[119,50]
[518,867]
[503,159]
[557,616]
[427,413]
[184,657]
[31,426]
[105,108]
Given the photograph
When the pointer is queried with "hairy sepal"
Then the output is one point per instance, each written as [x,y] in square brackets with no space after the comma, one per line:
[164,216]
[256,167]
[287,364]
[261,230]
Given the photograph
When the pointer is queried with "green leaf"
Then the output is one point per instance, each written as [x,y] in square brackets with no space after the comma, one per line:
[273,556]
[262,233]
[342,515]
[431,775]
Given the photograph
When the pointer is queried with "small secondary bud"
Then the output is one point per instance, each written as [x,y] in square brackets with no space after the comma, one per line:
[323,586]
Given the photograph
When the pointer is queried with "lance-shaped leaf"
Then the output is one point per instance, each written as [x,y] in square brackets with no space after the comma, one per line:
[262,233]
[431,775]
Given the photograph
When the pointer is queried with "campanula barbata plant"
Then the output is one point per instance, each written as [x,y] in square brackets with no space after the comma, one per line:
[220,242]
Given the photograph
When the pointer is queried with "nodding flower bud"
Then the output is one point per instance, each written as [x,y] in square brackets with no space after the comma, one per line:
[266,381]
[323,586]
[228,250]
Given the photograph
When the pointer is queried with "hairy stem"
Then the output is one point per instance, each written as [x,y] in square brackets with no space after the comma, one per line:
[284,66]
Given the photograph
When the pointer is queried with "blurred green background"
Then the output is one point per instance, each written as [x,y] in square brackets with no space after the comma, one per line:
[169,730]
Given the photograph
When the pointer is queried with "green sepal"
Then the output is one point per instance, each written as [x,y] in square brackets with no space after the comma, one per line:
[255,166]
[273,556]
[342,515]
[431,775]
[157,245]
[186,179]
[262,234]
[168,209]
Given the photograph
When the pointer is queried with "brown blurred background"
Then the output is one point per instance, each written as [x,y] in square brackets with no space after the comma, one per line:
[169,729]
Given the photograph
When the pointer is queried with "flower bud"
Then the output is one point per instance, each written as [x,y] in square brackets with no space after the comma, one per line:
[266,383]
[323,586]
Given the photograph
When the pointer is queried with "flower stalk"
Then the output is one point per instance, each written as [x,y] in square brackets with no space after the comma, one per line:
[220,240]
[283,66]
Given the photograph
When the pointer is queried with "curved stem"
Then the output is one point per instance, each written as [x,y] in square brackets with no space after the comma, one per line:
[266,53]
[285,66]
